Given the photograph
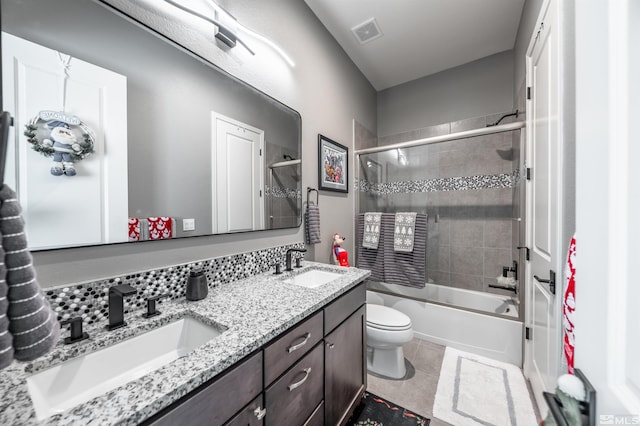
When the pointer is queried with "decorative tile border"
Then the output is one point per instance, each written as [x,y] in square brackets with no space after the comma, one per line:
[90,300]
[463,183]
[278,192]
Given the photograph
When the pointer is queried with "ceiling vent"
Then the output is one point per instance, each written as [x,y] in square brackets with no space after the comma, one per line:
[367,31]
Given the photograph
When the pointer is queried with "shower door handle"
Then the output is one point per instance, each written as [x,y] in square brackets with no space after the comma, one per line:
[551,281]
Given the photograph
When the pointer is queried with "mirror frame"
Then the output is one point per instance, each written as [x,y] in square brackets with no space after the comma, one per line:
[183,48]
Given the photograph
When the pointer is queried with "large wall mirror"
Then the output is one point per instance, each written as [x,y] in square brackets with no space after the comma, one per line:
[136,139]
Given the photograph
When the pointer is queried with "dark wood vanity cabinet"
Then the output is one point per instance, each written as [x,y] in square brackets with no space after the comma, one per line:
[313,374]
[293,398]
[345,368]
[217,401]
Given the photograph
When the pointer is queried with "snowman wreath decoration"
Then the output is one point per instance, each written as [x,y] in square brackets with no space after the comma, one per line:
[54,134]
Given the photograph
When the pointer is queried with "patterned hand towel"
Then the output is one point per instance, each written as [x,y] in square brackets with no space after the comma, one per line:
[371,235]
[312,224]
[32,323]
[404,229]
[134,229]
[6,340]
[161,228]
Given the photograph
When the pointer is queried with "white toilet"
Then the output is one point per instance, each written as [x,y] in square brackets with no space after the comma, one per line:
[387,330]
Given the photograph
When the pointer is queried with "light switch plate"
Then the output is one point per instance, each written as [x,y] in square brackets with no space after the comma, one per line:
[188,224]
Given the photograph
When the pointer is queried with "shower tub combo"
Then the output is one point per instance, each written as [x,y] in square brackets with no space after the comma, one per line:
[481,323]
[466,183]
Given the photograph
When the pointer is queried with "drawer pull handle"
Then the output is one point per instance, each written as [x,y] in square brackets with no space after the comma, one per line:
[331,345]
[299,345]
[260,413]
[304,379]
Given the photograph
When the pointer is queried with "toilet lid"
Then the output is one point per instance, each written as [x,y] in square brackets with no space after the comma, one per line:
[386,318]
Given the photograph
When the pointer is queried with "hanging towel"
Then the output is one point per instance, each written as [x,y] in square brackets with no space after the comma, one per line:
[404,230]
[6,340]
[390,266]
[134,229]
[32,323]
[312,223]
[569,306]
[371,235]
[161,228]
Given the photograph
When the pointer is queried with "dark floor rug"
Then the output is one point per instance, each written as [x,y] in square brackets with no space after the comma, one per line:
[376,411]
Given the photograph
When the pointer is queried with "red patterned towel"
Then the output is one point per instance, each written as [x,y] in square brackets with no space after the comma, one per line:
[160,228]
[134,229]
[569,305]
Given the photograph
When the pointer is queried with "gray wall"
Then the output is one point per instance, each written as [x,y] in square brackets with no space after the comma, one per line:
[324,86]
[528,19]
[479,88]
[568,93]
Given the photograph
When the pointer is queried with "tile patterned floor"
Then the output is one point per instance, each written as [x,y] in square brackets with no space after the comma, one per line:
[418,392]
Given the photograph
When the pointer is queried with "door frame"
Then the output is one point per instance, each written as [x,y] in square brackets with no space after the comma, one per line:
[215,116]
[557,261]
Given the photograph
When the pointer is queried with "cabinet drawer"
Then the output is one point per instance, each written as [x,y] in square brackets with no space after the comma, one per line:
[294,397]
[282,353]
[317,418]
[251,415]
[214,403]
[340,309]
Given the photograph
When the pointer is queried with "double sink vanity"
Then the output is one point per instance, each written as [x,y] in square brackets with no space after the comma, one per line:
[284,349]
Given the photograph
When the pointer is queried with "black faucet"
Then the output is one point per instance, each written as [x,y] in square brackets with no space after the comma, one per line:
[288,257]
[116,304]
[151,305]
[76,330]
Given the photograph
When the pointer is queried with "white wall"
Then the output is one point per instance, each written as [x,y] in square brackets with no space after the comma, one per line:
[607,291]
[475,89]
[324,86]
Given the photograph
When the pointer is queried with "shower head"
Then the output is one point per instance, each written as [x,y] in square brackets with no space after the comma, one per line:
[502,118]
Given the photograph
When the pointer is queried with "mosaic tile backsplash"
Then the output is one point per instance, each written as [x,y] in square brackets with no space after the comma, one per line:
[90,300]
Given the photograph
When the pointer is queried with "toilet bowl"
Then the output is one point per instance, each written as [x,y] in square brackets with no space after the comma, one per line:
[387,330]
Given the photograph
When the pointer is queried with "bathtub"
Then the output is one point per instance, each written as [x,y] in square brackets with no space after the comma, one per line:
[497,335]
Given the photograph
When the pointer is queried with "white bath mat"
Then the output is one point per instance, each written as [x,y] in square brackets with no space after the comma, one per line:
[474,390]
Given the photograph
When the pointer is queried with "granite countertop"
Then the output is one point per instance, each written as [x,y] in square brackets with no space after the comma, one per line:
[253,311]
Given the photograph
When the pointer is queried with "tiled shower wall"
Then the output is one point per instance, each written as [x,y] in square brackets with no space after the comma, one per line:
[466,187]
[283,199]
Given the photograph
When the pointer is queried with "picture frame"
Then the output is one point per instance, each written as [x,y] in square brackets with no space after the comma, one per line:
[333,165]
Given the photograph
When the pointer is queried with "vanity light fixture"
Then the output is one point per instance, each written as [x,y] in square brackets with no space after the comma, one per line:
[222,32]
[227,27]
[270,43]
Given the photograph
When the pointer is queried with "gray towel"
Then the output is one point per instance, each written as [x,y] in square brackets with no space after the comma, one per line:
[32,323]
[6,340]
[312,224]
[371,235]
[405,223]
[390,266]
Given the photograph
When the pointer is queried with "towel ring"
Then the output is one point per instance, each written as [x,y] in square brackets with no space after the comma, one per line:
[309,190]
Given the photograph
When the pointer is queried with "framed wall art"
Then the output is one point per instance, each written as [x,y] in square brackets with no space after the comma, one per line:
[333,168]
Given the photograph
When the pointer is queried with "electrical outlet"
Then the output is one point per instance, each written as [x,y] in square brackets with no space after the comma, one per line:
[188,224]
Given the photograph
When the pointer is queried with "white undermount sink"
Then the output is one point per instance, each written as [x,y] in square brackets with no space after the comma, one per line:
[80,379]
[313,278]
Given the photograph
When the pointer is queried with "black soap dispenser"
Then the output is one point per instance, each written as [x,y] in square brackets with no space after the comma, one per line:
[197,287]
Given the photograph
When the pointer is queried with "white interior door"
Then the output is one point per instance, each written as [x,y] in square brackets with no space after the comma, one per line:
[238,176]
[544,154]
[91,207]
